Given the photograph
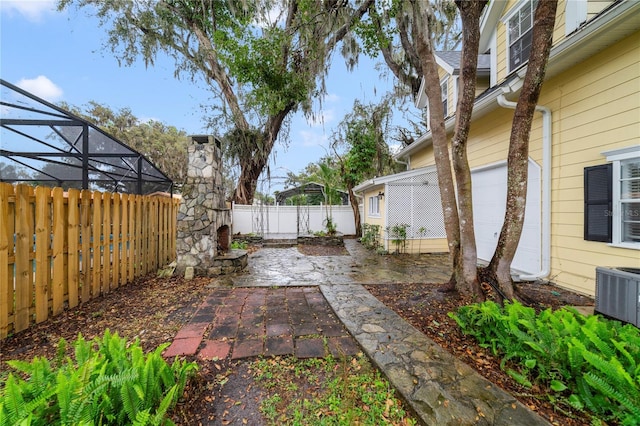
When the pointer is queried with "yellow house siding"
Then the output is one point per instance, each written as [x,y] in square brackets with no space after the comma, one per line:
[438,245]
[489,138]
[422,158]
[482,84]
[596,6]
[501,52]
[561,19]
[596,107]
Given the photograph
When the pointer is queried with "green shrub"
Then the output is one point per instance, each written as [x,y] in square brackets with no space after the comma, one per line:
[370,236]
[590,363]
[398,236]
[239,245]
[109,381]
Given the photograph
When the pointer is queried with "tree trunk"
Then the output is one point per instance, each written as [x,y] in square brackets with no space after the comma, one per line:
[421,12]
[356,211]
[247,181]
[470,12]
[500,265]
[251,167]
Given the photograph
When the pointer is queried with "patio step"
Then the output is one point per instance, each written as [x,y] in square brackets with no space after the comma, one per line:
[279,243]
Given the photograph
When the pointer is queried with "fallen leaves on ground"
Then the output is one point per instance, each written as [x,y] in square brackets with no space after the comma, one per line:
[426,308]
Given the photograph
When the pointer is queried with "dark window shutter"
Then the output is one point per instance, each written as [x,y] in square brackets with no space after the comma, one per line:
[597,203]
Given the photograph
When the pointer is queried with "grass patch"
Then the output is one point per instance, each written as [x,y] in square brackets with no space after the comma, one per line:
[327,391]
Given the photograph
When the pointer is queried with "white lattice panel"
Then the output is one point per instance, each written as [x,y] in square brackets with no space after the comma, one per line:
[416,201]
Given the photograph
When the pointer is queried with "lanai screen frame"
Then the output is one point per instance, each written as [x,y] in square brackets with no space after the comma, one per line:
[90,156]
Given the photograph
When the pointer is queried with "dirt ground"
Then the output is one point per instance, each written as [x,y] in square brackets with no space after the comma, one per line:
[224,393]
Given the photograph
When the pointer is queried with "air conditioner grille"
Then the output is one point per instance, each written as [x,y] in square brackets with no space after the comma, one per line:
[618,293]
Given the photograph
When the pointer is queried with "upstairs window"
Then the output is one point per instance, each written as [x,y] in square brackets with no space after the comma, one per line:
[520,32]
[444,92]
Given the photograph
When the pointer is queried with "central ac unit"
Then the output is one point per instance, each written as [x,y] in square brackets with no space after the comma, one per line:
[618,293]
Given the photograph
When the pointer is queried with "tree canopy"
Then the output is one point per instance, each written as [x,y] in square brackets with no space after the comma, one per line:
[262,60]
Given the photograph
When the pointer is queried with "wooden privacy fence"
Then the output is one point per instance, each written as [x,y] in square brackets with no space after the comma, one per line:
[60,249]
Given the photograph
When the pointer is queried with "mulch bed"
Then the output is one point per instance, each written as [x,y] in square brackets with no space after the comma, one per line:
[426,308]
[313,250]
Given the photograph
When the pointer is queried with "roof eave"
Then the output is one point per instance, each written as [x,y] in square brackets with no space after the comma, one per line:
[624,12]
[382,180]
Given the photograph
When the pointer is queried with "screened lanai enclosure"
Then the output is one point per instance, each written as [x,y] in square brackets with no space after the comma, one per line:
[43,144]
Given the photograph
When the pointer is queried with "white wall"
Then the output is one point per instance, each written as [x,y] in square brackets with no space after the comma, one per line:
[284,219]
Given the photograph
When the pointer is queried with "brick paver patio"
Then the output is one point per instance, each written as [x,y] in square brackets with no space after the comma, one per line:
[248,322]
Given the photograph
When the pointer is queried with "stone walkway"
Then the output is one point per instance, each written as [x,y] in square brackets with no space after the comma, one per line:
[313,305]
[283,267]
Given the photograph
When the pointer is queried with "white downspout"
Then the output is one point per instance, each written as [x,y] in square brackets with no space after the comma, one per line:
[545,264]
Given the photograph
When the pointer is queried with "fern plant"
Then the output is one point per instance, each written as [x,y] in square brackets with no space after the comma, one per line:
[590,363]
[108,381]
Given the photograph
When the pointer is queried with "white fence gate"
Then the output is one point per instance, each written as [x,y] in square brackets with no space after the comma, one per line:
[289,220]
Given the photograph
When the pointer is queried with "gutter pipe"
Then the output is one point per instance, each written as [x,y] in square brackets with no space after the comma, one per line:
[545,264]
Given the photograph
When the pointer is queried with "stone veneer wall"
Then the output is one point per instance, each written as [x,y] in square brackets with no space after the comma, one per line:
[202,209]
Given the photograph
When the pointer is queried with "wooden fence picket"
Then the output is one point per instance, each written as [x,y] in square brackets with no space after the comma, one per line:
[59,281]
[73,236]
[132,239]
[115,241]
[85,229]
[43,246]
[6,269]
[60,249]
[106,242]
[124,231]
[96,245]
[23,264]
[138,258]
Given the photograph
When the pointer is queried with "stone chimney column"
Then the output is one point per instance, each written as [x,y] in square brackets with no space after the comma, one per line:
[202,211]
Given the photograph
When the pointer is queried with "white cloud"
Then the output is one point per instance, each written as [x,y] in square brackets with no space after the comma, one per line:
[41,86]
[312,139]
[32,10]
[331,97]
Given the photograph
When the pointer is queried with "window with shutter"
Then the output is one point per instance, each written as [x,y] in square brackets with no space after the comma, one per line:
[598,203]
[612,199]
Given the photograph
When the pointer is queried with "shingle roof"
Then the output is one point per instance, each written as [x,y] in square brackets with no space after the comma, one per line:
[452,58]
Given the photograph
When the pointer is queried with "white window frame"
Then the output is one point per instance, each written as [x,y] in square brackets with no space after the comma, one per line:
[618,158]
[494,59]
[506,20]
[444,93]
[374,206]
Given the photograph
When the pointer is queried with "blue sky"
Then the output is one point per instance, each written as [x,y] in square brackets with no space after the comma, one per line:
[59,57]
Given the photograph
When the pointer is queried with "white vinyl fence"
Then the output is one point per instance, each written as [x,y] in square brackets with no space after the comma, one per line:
[290,220]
